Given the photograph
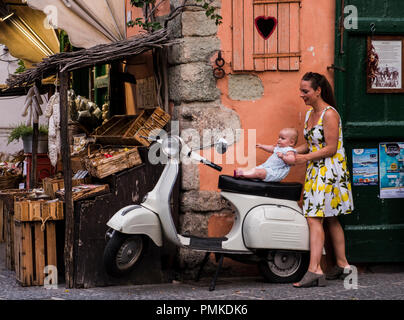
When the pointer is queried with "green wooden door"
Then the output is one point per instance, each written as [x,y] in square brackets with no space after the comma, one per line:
[375,230]
[101,84]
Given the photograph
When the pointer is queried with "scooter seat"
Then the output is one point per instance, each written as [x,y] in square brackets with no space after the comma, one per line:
[279,190]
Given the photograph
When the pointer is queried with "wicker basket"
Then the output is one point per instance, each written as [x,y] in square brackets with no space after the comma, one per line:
[99,166]
[9,181]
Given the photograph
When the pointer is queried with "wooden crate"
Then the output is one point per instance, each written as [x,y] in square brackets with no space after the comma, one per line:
[84,191]
[155,119]
[115,126]
[7,197]
[146,93]
[112,132]
[52,184]
[99,166]
[38,210]
[136,125]
[126,130]
[35,248]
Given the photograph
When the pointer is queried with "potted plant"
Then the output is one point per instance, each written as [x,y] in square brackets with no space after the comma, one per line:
[25,133]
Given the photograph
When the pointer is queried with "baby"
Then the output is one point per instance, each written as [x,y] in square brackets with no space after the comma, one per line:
[278,164]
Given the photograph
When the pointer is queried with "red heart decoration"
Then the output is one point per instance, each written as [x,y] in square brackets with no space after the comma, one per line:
[265,26]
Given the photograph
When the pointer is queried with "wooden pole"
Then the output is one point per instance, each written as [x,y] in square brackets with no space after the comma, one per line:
[35,134]
[32,180]
[165,79]
[67,173]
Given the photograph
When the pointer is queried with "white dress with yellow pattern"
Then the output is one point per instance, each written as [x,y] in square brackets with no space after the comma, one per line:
[327,189]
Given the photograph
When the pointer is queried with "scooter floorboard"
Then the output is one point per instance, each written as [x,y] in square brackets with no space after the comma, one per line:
[209,244]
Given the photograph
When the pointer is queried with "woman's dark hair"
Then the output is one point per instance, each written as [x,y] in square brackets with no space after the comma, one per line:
[318,80]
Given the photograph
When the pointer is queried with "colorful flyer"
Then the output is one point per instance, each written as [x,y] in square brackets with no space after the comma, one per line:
[365,170]
[391,168]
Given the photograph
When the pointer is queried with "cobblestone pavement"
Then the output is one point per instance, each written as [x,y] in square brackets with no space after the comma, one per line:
[378,283]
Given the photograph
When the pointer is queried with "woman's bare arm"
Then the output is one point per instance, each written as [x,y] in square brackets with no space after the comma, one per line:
[331,134]
[304,148]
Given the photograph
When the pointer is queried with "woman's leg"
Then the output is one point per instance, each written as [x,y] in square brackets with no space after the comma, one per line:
[329,248]
[316,243]
[316,247]
[338,240]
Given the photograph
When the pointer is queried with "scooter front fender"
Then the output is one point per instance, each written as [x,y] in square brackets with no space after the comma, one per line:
[136,219]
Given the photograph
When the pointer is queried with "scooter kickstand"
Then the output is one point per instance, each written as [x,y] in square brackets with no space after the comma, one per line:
[213,283]
[205,259]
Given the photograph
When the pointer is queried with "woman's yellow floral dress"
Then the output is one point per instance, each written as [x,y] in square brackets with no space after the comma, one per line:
[327,189]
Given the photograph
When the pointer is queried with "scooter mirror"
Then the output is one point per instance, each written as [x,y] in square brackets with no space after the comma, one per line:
[221,146]
[171,146]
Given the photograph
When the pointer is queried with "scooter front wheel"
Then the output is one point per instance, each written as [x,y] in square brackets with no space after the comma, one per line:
[122,253]
[281,266]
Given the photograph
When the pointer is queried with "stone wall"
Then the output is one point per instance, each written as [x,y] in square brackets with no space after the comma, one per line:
[197,107]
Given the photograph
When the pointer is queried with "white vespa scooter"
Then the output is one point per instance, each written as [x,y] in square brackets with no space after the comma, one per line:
[269,228]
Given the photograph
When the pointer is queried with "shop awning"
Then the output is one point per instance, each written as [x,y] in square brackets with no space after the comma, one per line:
[100,54]
[87,22]
[23,31]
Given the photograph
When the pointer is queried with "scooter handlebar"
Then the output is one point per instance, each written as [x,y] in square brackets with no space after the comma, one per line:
[153,139]
[212,165]
[190,153]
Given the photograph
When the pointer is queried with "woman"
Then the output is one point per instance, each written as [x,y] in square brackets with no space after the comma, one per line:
[327,189]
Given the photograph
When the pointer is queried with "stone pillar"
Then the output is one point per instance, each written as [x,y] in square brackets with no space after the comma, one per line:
[197,107]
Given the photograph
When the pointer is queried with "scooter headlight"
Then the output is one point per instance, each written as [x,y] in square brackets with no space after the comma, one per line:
[171,146]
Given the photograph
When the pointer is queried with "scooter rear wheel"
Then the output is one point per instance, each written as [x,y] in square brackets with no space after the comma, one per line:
[122,253]
[281,266]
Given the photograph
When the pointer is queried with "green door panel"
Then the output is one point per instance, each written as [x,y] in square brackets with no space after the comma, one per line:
[101,84]
[381,243]
[375,230]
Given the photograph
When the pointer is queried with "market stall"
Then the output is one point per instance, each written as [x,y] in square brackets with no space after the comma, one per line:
[103,170]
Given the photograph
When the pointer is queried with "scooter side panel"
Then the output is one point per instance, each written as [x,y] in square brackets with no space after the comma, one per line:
[244,204]
[137,220]
[275,227]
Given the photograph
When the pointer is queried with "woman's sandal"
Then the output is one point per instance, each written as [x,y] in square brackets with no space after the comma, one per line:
[311,279]
[338,272]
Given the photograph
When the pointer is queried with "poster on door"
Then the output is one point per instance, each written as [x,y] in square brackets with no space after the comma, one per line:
[391,168]
[365,171]
[388,74]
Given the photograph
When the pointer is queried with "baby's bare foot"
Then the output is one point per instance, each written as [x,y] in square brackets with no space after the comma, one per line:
[238,173]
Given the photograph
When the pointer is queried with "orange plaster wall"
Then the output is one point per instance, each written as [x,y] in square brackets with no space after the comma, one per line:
[162,10]
[280,105]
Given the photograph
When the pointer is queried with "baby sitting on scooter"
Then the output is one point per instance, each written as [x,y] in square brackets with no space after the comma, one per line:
[278,164]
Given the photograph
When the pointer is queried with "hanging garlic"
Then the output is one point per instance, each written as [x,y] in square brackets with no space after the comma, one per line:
[32,106]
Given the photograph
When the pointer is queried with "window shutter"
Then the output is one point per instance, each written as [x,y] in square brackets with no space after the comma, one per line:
[281,51]
[242,35]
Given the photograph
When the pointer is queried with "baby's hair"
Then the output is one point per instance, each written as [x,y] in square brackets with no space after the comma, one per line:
[295,134]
